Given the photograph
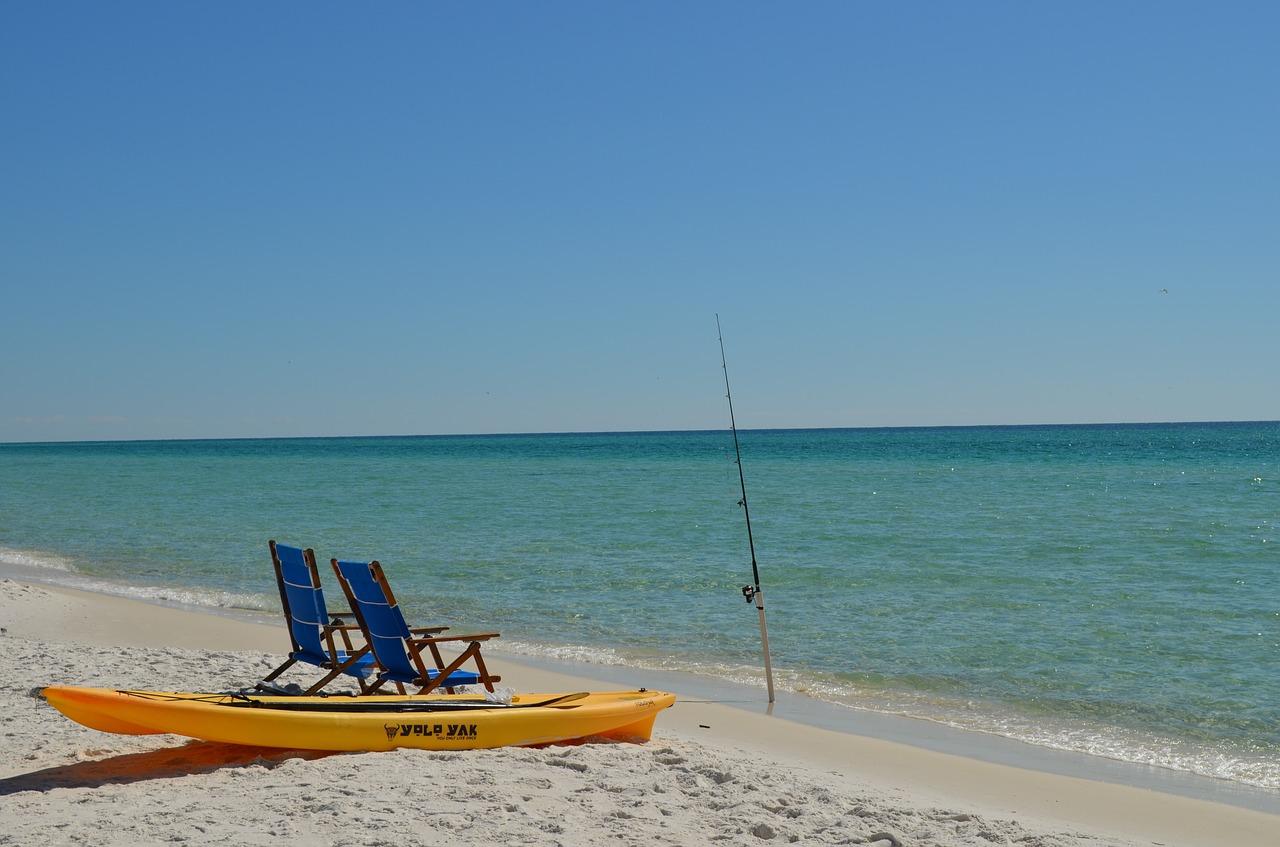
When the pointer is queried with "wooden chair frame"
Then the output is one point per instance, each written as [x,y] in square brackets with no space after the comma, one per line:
[414,646]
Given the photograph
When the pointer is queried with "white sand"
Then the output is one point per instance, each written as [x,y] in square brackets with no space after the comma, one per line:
[750,779]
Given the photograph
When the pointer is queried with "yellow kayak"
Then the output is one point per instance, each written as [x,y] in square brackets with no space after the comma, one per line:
[434,722]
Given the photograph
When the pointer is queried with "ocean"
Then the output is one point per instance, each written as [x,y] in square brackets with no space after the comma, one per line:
[1107,589]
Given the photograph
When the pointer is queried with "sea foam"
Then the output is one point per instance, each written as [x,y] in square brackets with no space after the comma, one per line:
[55,569]
[39,559]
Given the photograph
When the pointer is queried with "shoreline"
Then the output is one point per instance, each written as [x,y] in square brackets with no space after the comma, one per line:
[925,734]
[815,712]
[929,777]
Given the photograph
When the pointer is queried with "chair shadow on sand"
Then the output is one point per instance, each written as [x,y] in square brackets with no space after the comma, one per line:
[191,758]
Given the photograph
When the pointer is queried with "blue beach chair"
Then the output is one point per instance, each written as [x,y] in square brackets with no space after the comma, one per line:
[311,628]
[397,650]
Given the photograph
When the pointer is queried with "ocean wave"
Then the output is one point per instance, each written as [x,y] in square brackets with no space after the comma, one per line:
[55,569]
[38,559]
[567,653]
[1135,746]
[1075,735]
[1253,767]
[199,597]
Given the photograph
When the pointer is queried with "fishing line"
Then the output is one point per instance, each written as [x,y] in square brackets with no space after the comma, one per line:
[751,592]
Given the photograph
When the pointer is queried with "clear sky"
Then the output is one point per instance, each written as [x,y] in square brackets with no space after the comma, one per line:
[319,219]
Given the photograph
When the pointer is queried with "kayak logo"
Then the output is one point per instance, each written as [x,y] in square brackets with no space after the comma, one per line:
[446,731]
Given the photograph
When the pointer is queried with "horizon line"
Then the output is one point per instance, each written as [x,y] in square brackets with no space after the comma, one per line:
[630,432]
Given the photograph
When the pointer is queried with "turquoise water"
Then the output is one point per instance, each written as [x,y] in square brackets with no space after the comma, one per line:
[1109,589]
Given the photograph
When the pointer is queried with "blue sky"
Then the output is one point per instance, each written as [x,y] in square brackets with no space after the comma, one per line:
[315,219]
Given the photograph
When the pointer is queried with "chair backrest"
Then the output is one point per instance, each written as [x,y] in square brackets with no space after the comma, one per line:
[302,597]
[381,619]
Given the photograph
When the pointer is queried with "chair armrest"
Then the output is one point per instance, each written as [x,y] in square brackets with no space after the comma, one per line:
[427,630]
[484,636]
[336,615]
[346,627]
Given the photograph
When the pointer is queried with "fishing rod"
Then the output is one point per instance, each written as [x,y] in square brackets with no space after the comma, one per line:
[753,592]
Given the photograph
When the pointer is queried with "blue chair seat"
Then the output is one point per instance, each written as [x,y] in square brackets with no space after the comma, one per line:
[454,679]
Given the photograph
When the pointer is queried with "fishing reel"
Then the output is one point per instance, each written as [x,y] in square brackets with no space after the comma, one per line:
[749,592]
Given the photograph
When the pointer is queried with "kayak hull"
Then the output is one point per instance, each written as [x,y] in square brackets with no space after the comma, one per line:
[320,723]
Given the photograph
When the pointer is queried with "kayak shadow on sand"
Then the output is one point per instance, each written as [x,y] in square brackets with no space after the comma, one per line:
[192,758]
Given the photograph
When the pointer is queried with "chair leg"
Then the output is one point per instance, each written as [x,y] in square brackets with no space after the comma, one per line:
[346,643]
[322,683]
[439,660]
[484,671]
[432,684]
[275,673]
[436,657]
[351,660]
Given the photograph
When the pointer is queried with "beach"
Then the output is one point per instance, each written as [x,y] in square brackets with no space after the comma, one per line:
[525,304]
[713,773]
[1102,591]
